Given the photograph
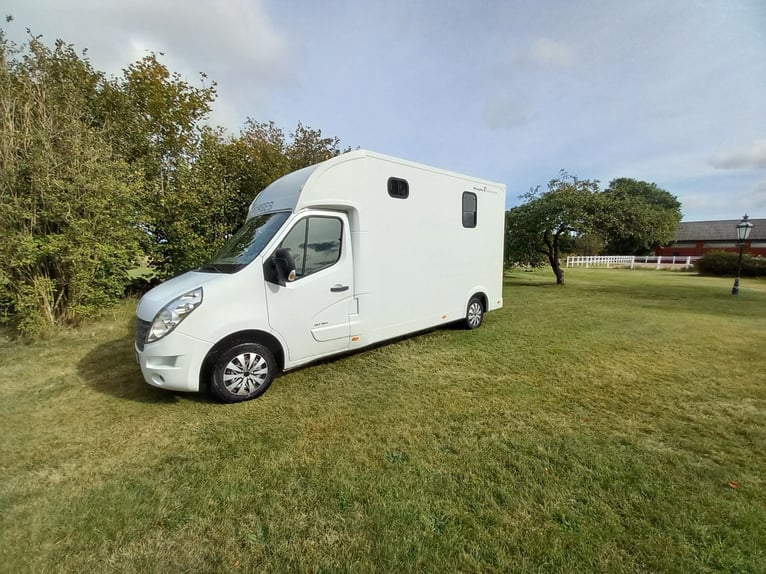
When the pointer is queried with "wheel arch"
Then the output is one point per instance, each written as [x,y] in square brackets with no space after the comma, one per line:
[246,336]
[482,297]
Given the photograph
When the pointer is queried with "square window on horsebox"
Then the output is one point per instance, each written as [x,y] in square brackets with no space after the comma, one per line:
[398,188]
[469,209]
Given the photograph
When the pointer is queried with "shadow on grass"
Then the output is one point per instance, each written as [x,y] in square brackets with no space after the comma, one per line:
[521,282]
[111,369]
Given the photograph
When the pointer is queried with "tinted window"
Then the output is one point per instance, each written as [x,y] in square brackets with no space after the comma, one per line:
[469,209]
[398,188]
[296,241]
[323,246]
[247,243]
[315,243]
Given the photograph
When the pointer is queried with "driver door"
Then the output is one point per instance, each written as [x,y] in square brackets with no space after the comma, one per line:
[311,313]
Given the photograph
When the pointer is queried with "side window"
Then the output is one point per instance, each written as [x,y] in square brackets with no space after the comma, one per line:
[469,209]
[323,245]
[315,243]
[296,241]
[398,188]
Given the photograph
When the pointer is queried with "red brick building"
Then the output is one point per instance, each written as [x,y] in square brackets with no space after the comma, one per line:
[700,237]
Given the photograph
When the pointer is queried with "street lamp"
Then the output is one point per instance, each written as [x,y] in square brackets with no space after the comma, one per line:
[743,232]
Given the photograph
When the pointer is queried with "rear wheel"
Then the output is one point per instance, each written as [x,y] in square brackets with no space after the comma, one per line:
[242,372]
[474,314]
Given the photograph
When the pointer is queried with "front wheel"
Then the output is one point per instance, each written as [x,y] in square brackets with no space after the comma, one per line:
[242,372]
[474,313]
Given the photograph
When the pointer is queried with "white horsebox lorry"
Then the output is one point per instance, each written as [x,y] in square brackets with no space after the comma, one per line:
[334,257]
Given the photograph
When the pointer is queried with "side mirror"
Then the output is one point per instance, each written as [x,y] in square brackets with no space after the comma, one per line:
[284,265]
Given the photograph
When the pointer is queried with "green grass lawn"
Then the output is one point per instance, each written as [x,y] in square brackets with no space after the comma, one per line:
[616,424]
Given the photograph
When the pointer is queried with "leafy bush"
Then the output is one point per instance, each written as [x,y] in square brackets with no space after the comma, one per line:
[97,171]
[139,286]
[724,263]
[67,204]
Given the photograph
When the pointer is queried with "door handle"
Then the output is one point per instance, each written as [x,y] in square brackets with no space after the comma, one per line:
[338,288]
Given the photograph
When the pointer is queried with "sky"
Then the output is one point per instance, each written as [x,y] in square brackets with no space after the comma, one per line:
[513,91]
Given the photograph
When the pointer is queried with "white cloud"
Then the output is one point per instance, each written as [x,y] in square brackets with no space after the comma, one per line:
[649,89]
[712,204]
[693,202]
[549,52]
[510,104]
[753,157]
[235,43]
[720,198]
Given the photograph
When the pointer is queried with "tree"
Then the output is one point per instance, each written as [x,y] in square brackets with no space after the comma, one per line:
[258,157]
[209,187]
[637,216]
[266,154]
[97,171]
[309,147]
[155,118]
[67,202]
[548,222]
[199,211]
[155,121]
[588,244]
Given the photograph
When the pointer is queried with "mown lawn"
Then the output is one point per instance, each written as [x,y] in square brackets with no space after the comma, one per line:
[617,424]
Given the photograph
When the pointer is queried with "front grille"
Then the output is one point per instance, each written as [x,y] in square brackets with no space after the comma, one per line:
[142,328]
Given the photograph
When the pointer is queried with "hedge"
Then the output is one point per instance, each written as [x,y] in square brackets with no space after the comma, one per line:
[724,263]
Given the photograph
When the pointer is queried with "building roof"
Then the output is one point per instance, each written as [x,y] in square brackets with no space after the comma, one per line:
[722,230]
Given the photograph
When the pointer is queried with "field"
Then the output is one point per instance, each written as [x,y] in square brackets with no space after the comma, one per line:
[616,424]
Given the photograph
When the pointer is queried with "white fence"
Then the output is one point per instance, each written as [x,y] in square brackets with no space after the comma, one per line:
[630,261]
[600,260]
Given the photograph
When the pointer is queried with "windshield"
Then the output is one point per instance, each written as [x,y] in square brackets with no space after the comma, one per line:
[246,243]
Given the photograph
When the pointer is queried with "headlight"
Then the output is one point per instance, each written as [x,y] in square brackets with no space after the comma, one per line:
[173,313]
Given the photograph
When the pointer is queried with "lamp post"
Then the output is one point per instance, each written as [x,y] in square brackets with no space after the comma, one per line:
[743,232]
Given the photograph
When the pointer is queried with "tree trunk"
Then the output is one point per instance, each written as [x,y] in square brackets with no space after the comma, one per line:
[553,256]
[556,265]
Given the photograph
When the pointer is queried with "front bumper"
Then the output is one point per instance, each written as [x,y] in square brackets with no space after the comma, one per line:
[173,362]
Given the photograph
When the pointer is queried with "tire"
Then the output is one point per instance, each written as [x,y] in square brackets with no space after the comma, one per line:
[242,372]
[474,314]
